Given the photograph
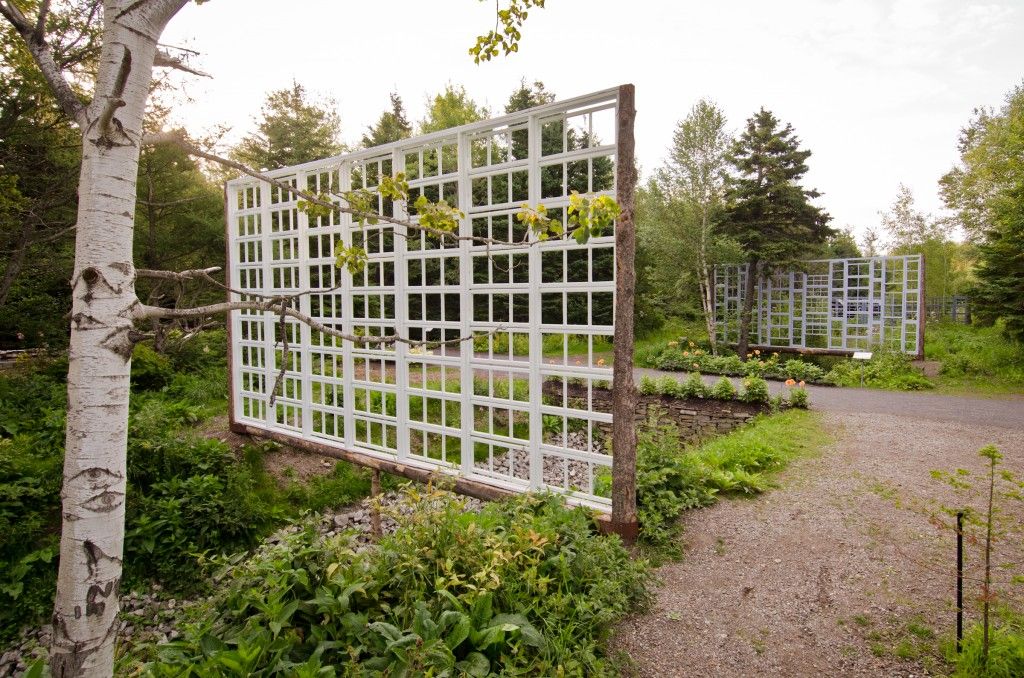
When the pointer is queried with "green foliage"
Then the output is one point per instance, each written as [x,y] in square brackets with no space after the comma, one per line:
[150,370]
[392,125]
[886,369]
[1005,654]
[724,390]
[767,211]
[526,97]
[755,390]
[673,357]
[451,108]
[986,191]
[506,34]
[672,479]
[798,398]
[189,497]
[975,357]
[522,587]
[694,387]
[292,130]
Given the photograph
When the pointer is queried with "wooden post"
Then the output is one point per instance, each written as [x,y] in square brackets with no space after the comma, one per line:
[375,504]
[624,521]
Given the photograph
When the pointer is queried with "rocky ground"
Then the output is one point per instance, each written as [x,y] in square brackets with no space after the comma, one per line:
[565,473]
[149,616]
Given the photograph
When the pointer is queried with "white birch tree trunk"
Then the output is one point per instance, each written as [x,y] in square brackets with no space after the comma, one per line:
[103,302]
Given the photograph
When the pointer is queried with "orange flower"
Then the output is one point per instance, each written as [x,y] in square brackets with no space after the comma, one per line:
[750,355]
[757,351]
[802,384]
[673,344]
[686,353]
[790,382]
[695,366]
[600,362]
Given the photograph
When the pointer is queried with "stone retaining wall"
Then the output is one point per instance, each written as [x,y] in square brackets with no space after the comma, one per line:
[695,418]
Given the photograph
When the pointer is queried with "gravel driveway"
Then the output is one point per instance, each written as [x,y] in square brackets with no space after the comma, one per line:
[836,573]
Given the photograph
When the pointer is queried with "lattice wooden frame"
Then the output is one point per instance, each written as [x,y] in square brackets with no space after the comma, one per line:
[523,302]
[829,305]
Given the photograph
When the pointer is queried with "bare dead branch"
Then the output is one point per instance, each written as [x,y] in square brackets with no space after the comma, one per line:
[167,60]
[177,276]
[181,140]
[279,305]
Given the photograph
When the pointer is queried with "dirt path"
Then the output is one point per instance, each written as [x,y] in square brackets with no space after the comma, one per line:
[836,573]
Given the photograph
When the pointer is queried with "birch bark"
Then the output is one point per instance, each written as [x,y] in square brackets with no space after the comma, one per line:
[103,301]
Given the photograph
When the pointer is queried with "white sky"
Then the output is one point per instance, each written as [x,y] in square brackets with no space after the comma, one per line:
[877,89]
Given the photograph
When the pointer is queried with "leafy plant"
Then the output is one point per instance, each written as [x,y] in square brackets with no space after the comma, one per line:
[755,390]
[723,390]
[524,586]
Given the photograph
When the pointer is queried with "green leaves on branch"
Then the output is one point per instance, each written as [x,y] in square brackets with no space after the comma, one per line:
[587,218]
[505,38]
[438,216]
[351,258]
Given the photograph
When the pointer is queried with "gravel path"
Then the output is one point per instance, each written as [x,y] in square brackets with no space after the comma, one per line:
[836,573]
[997,412]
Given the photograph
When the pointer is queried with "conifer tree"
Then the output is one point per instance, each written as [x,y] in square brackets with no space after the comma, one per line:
[392,125]
[768,212]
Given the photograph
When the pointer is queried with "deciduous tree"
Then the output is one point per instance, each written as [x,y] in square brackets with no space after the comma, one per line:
[986,192]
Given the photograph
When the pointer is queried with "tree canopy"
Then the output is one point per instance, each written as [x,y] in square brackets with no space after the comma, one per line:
[292,130]
[767,211]
[986,192]
[451,108]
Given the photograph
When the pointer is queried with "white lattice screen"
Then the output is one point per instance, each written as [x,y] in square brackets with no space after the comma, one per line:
[837,305]
[515,409]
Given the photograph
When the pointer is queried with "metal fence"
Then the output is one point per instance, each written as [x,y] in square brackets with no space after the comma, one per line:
[829,306]
[541,313]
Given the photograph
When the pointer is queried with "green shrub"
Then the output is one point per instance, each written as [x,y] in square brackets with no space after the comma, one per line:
[886,369]
[150,370]
[798,398]
[755,390]
[672,359]
[648,386]
[522,587]
[723,390]
[694,386]
[802,371]
[668,386]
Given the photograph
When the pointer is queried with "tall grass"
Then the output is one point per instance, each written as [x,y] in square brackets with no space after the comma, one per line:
[975,358]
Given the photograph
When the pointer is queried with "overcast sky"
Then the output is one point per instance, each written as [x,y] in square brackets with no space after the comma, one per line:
[877,89]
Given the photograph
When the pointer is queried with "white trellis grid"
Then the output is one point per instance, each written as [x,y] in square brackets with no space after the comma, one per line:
[515,409]
[829,305]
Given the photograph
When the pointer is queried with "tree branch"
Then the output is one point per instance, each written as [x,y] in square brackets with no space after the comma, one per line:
[178,276]
[43,56]
[166,60]
[278,305]
[179,139]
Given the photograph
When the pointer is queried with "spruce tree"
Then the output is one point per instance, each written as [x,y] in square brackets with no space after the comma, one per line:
[392,125]
[767,211]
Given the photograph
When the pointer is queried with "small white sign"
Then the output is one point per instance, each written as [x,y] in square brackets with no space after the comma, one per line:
[862,355]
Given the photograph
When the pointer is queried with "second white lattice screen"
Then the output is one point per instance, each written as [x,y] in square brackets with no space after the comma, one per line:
[525,404]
